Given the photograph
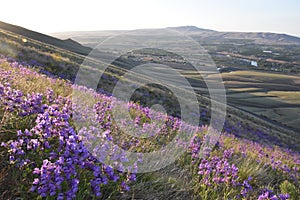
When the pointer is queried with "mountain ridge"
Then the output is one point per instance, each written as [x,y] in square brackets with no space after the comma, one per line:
[200,34]
[74,41]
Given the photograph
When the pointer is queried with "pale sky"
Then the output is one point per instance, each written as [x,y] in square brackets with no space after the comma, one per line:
[48,16]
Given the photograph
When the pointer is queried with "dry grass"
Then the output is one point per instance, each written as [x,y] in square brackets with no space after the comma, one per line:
[287,96]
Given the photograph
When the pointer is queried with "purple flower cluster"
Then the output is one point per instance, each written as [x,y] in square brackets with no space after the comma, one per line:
[279,159]
[246,187]
[268,194]
[60,153]
[195,146]
[218,171]
[52,148]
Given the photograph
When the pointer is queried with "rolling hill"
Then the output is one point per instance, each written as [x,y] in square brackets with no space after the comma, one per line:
[67,44]
[65,64]
[254,37]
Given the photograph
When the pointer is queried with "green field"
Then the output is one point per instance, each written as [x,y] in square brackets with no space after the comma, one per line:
[271,95]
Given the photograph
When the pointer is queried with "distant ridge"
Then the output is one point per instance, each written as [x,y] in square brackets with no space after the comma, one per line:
[68,44]
[255,37]
[259,37]
[92,38]
[190,29]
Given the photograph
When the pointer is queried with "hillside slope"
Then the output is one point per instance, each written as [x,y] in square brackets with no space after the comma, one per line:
[65,64]
[67,44]
[42,154]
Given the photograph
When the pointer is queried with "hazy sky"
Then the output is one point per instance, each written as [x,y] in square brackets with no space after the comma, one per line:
[282,16]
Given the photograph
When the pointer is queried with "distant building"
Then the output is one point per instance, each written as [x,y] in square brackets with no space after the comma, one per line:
[267,51]
[254,63]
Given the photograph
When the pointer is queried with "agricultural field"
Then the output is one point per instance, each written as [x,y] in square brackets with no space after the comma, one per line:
[270,95]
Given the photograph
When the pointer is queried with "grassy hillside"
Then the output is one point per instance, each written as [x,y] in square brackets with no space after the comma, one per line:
[67,44]
[44,154]
[43,160]
[56,62]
